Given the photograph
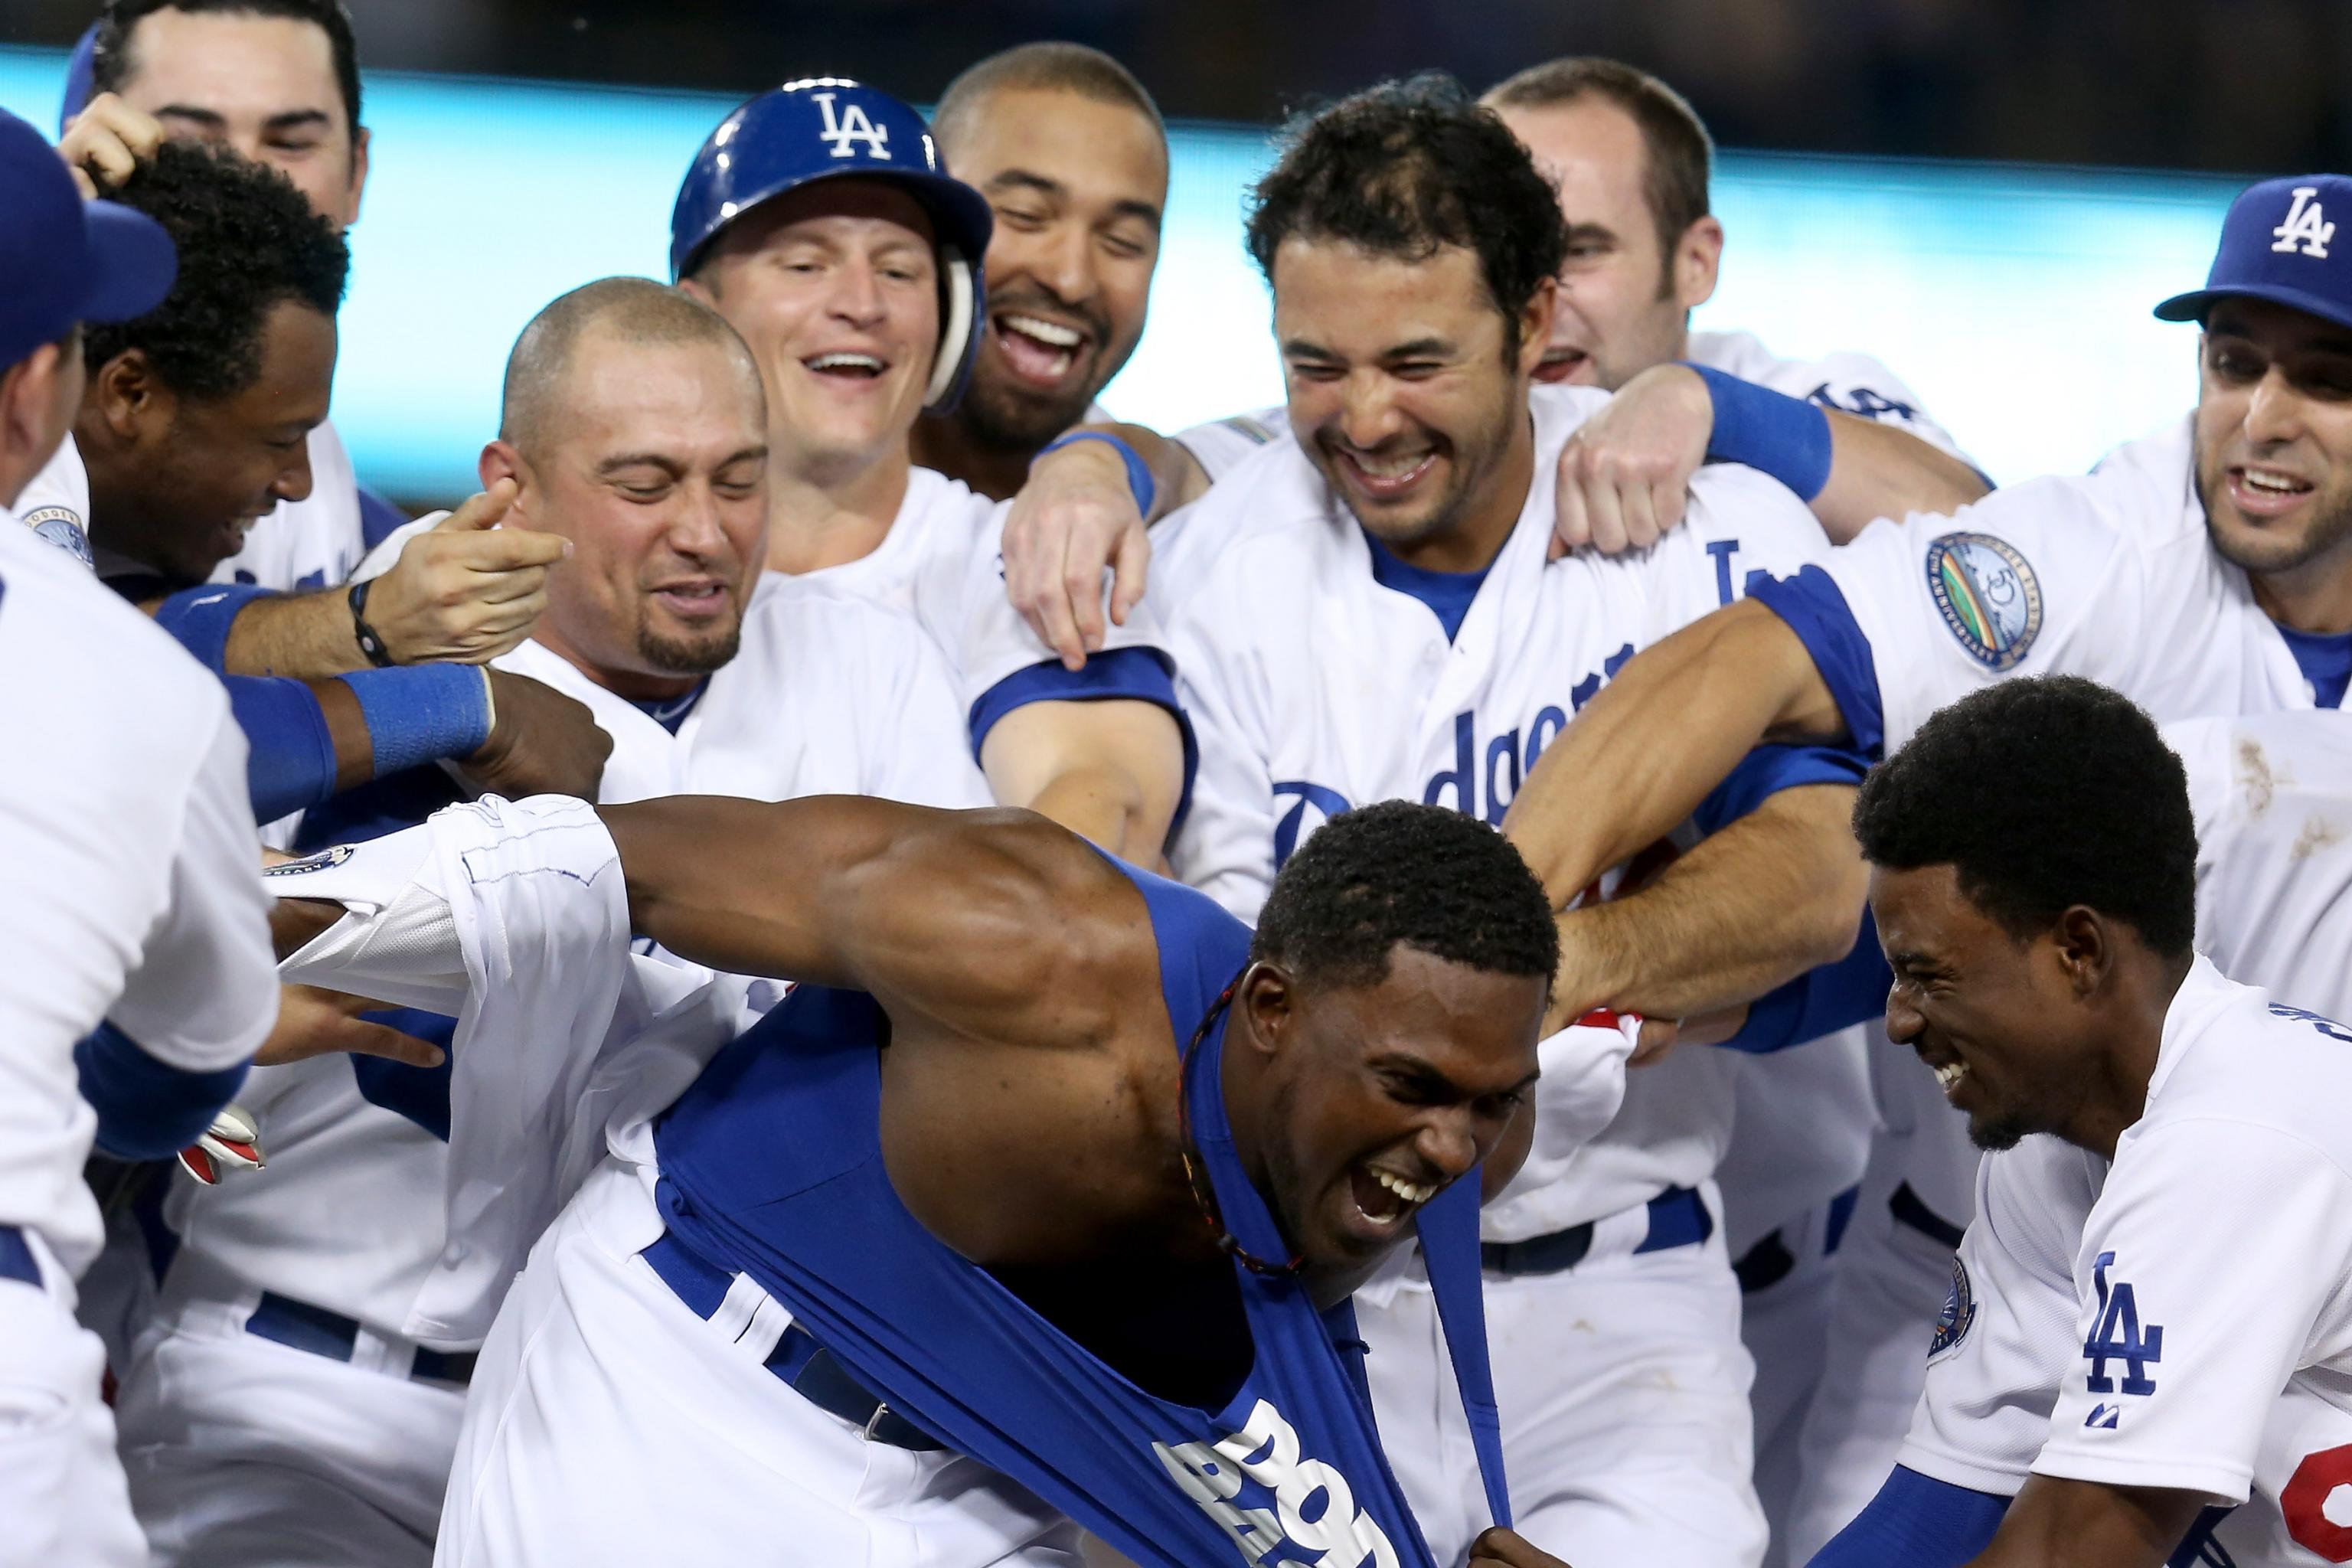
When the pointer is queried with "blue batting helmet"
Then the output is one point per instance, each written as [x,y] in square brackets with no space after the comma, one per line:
[829,128]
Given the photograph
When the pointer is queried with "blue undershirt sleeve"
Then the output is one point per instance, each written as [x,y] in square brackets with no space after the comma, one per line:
[1816,610]
[1129,674]
[1821,1001]
[147,1109]
[1915,1522]
[200,618]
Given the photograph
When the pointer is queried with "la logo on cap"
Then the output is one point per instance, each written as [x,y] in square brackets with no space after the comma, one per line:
[853,126]
[2306,225]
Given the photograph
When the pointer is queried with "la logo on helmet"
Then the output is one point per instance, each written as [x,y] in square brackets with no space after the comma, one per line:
[854,126]
[2304,225]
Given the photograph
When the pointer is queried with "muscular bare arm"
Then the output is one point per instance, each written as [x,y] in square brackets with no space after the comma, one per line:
[991,924]
[1772,895]
[1111,770]
[1641,755]
[2058,1523]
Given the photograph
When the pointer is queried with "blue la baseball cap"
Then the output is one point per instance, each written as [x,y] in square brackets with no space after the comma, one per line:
[2279,244]
[63,259]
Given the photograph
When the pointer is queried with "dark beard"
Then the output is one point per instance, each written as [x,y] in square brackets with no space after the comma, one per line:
[682,655]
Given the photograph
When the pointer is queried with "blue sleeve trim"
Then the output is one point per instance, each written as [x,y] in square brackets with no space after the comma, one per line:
[1919,1523]
[147,1109]
[1786,437]
[289,756]
[1815,609]
[1129,674]
[1821,1001]
[200,617]
[1767,771]
[379,519]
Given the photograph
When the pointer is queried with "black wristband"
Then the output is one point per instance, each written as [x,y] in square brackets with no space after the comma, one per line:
[370,643]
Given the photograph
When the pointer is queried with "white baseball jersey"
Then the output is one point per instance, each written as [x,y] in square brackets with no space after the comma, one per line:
[129,880]
[2181,1319]
[1313,687]
[298,546]
[1850,383]
[943,563]
[827,695]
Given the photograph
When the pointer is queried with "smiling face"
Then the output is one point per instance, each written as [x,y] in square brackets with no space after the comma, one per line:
[1379,1096]
[1406,392]
[652,461]
[1623,300]
[835,288]
[264,85]
[183,479]
[1998,1019]
[2275,438]
[1077,187]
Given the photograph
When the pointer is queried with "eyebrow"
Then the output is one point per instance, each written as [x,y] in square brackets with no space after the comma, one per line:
[213,120]
[1590,231]
[1429,1074]
[1043,184]
[667,465]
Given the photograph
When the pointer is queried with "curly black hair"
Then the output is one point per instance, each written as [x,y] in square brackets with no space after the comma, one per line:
[112,63]
[247,240]
[2042,793]
[1405,168]
[1403,872]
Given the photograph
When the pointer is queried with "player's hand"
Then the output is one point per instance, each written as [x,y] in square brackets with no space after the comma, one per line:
[1076,516]
[1501,1548]
[233,1142]
[314,1021]
[467,590]
[106,140]
[541,742]
[1625,473]
[1658,1036]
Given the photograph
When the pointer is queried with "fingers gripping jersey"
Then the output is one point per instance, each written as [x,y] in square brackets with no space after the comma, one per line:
[1314,687]
[2183,1319]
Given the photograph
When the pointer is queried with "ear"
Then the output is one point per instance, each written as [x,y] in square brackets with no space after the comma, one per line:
[501,460]
[696,288]
[359,177]
[129,400]
[1698,256]
[2084,946]
[1534,324]
[1265,998]
[28,392]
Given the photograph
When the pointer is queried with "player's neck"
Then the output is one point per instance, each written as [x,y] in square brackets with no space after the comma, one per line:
[822,515]
[630,685]
[2314,597]
[2145,984]
[945,443]
[1484,526]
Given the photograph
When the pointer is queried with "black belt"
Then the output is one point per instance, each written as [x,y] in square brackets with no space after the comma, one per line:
[804,1367]
[301,1326]
[16,1260]
[1906,1208]
[1678,1217]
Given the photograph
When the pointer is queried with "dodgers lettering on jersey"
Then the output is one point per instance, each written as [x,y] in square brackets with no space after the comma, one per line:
[1315,688]
[2180,1320]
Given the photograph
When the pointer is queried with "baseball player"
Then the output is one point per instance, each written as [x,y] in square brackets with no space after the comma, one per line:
[1147,1328]
[1070,152]
[2200,570]
[2147,1321]
[1368,612]
[817,220]
[128,897]
[285,1408]
[279,81]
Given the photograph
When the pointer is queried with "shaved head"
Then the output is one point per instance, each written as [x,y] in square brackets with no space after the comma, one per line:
[1038,68]
[634,311]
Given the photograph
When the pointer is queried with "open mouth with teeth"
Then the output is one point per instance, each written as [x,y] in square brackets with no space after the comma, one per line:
[1383,1199]
[1562,365]
[846,366]
[1386,476]
[1035,349]
[2262,491]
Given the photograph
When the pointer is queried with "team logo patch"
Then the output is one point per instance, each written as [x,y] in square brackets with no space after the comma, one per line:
[61,527]
[1989,597]
[319,862]
[1959,1311]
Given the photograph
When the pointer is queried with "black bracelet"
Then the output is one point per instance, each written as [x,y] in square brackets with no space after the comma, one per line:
[370,643]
